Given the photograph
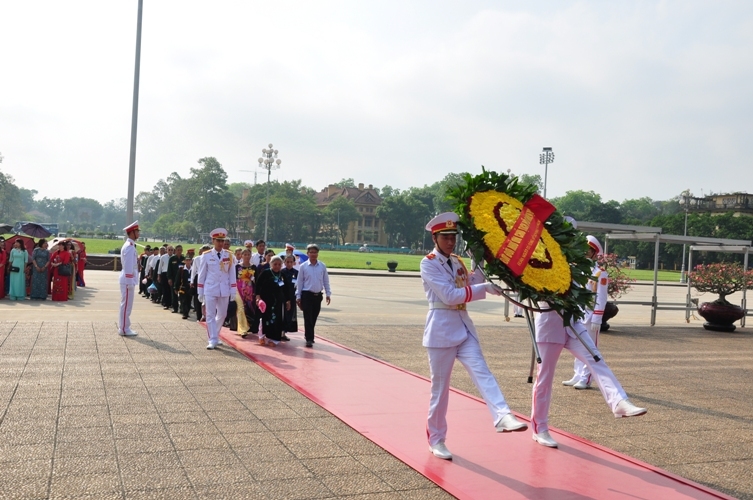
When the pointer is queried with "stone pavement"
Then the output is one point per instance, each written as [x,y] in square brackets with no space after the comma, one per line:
[85,413]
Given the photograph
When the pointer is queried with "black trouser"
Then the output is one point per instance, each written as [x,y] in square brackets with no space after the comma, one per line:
[157,296]
[311,304]
[167,291]
[185,302]
[176,300]
[196,304]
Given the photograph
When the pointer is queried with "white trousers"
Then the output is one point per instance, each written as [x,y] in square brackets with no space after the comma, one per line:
[542,389]
[216,310]
[441,360]
[580,369]
[126,305]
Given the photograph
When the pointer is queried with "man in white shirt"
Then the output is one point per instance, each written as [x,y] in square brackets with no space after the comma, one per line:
[257,259]
[312,279]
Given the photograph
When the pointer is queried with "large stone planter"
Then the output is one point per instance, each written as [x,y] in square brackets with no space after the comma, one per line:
[391,266]
[720,317]
[610,311]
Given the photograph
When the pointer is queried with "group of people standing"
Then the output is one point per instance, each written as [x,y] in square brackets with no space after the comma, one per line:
[249,292]
[39,273]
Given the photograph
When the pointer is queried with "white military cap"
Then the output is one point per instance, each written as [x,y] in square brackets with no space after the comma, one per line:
[133,226]
[248,242]
[219,234]
[444,223]
[593,242]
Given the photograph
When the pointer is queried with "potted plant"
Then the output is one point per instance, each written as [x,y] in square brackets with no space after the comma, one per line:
[722,279]
[391,265]
[619,284]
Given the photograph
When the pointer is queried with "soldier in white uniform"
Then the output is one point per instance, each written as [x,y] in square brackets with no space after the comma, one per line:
[216,285]
[129,278]
[450,334]
[599,284]
[551,338]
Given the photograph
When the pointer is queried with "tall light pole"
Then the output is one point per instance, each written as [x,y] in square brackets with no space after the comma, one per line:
[269,163]
[685,202]
[134,119]
[545,158]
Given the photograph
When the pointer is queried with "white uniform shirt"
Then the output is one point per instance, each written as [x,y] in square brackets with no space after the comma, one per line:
[599,285]
[257,259]
[447,290]
[129,274]
[217,274]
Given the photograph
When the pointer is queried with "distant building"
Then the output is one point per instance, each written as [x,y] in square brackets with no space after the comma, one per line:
[369,229]
[739,203]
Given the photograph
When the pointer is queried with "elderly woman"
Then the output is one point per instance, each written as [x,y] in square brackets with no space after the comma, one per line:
[290,275]
[245,280]
[40,260]
[17,261]
[270,288]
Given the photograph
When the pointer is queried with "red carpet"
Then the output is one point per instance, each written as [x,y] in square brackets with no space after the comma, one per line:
[388,406]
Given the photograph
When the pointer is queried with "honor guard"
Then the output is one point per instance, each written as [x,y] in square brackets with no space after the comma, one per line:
[551,337]
[129,277]
[450,334]
[599,284]
[216,285]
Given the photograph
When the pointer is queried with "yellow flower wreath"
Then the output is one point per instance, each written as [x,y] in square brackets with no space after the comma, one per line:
[548,269]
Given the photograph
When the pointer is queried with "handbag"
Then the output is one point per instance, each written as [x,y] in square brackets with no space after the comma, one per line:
[64,269]
[14,269]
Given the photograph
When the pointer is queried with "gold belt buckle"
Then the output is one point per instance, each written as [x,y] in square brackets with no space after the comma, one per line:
[461,307]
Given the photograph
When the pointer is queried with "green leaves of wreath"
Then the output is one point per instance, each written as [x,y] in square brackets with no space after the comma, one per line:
[572,245]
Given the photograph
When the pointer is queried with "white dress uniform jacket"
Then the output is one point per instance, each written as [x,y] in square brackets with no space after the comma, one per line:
[599,285]
[217,274]
[129,274]
[448,288]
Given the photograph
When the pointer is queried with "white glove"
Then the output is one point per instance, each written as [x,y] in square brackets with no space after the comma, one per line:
[594,328]
[492,289]
[201,298]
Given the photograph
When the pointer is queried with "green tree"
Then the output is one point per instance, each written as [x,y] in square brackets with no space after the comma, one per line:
[212,205]
[339,214]
[404,218]
[346,183]
[534,179]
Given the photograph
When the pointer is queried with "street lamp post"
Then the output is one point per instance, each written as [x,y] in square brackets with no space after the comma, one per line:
[685,202]
[269,163]
[545,158]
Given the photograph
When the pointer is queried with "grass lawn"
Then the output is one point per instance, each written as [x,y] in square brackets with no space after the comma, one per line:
[357,260]
[333,259]
[648,275]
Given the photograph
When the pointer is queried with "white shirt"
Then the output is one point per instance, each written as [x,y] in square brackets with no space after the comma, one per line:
[150,263]
[164,260]
[312,278]
[257,259]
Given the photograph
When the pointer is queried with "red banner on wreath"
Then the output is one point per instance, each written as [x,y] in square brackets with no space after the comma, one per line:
[522,239]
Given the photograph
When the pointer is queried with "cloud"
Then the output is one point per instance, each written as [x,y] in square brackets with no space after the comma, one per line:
[637,99]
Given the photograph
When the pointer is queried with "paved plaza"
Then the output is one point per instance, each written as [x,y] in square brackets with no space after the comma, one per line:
[85,413]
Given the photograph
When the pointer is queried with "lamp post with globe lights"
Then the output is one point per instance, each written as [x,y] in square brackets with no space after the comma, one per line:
[545,158]
[268,162]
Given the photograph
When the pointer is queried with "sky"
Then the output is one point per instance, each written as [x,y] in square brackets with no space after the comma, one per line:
[636,98]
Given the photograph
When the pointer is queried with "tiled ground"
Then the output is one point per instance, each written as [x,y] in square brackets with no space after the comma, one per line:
[696,384]
[85,413]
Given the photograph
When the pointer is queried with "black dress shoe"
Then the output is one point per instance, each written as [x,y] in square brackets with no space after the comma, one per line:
[309,344]
[285,338]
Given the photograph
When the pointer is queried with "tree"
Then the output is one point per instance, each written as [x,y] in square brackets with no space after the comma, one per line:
[587,206]
[339,214]
[534,179]
[346,183]
[404,218]
[212,205]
